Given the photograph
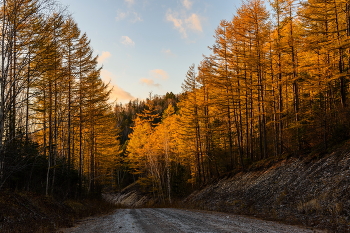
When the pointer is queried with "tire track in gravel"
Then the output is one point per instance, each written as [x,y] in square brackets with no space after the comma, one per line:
[154,220]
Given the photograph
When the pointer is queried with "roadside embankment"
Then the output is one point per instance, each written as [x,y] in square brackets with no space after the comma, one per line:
[30,212]
[130,197]
[311,191]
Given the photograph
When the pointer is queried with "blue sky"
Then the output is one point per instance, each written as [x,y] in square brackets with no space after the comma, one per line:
[147,45]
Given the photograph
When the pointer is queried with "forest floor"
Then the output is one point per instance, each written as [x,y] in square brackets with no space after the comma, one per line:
[30,212]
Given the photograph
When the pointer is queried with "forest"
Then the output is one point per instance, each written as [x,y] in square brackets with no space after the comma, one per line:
[55,115]
[275,85]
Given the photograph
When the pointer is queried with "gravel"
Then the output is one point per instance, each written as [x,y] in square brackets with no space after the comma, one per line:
[156,220]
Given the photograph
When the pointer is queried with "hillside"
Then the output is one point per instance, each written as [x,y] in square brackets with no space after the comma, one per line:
[311,191]
[31,212]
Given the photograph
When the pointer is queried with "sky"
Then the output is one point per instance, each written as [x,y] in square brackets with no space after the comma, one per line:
[146,46]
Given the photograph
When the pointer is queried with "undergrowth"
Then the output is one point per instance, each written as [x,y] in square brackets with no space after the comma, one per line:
[31,212]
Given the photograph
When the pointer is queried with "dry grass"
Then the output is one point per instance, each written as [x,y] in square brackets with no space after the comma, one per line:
[313,191]
[310,207]
[30,212]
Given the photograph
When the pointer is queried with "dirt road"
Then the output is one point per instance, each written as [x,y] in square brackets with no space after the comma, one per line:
[177,220]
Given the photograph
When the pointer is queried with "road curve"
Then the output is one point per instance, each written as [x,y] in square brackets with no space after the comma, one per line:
[177,220]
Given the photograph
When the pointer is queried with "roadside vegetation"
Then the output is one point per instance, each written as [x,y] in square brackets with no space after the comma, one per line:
[32,212]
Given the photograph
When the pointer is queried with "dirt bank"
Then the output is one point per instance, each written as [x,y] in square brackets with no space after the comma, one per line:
[131,197]
[30,212]
[311,191]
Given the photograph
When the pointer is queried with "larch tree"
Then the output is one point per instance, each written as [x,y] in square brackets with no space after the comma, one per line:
[19,35]
[190,117]
[70,39]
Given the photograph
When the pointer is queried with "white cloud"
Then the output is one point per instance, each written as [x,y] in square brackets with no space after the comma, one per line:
[194,23]
[187,4]
[136,17]
[178,23]
[104,56]
[168,52]
[183,23]
[155,74]
[159,74]
[130,2]
[149,82]
[131,15]
[117,92]
[106,76]
[121,15]
[127,41]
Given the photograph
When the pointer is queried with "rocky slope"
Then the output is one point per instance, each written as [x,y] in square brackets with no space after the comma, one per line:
[312,191]
[130,197]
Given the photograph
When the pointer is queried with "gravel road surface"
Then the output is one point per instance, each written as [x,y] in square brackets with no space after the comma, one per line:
[177,220]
